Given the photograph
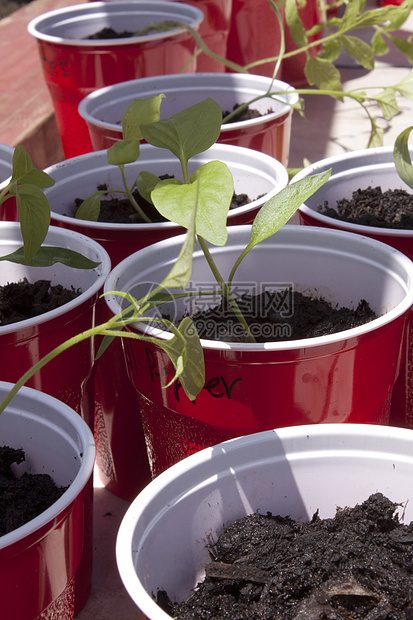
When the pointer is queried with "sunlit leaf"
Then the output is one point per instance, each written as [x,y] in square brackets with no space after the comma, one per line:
[378,44]
[357,49]
[140,112]
[124,152]
[280,208]
[404,46]
[405,86]
[188,132]
[323,74]
[388,103]
[294,23]
[216,189]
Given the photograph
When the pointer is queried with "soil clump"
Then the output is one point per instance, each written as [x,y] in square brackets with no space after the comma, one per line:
[25,300]
[22,498]
[355,566]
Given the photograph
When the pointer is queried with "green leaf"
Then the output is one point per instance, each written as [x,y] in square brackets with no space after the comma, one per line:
[49,255]
[379,16]
[395,16]
[378,45]
[25,172]
[358,49]
[90,207]
[404,46]
[331,51]
[181,272]
[146,182]
[405,87]
[376,135]
[188,132]
[216,188]
[187,356]
[401,156]
[350,15]
[124,152]
[323,73]
[295,24]
[140,112]
[34,215]
[387,102]
[278,210]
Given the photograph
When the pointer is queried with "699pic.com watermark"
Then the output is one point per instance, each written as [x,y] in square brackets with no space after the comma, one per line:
[265,306]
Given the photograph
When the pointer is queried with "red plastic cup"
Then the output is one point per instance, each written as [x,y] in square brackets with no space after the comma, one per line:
[254,35]
[359,170]
[121,451]
[214,30]
[39,561]
[344,377]
[270,133]
[70,377]
[74,66]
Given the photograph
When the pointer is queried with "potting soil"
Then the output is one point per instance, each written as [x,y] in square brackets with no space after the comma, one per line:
[117,210]
[22,498]
[373,207]
[281,315]
[24,300]
[357,565]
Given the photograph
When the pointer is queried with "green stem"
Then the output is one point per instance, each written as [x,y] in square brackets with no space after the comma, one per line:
[132,199]
[3,194]
[209,52]
[225,290]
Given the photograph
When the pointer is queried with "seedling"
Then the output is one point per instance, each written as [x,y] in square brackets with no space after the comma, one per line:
[338,34]
[200,204]
[26,184]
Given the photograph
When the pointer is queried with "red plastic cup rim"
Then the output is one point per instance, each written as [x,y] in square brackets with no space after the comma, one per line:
[41,27]
[316,236]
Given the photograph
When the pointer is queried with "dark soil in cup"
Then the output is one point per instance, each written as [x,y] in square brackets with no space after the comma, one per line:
[110,33]
[373,207]
[357,565]
[245,114]
[25,300]
[280,315]
[22,498]
[115,210]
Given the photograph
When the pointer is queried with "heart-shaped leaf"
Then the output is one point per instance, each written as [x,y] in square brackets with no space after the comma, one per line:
[188,132]
[213,195]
